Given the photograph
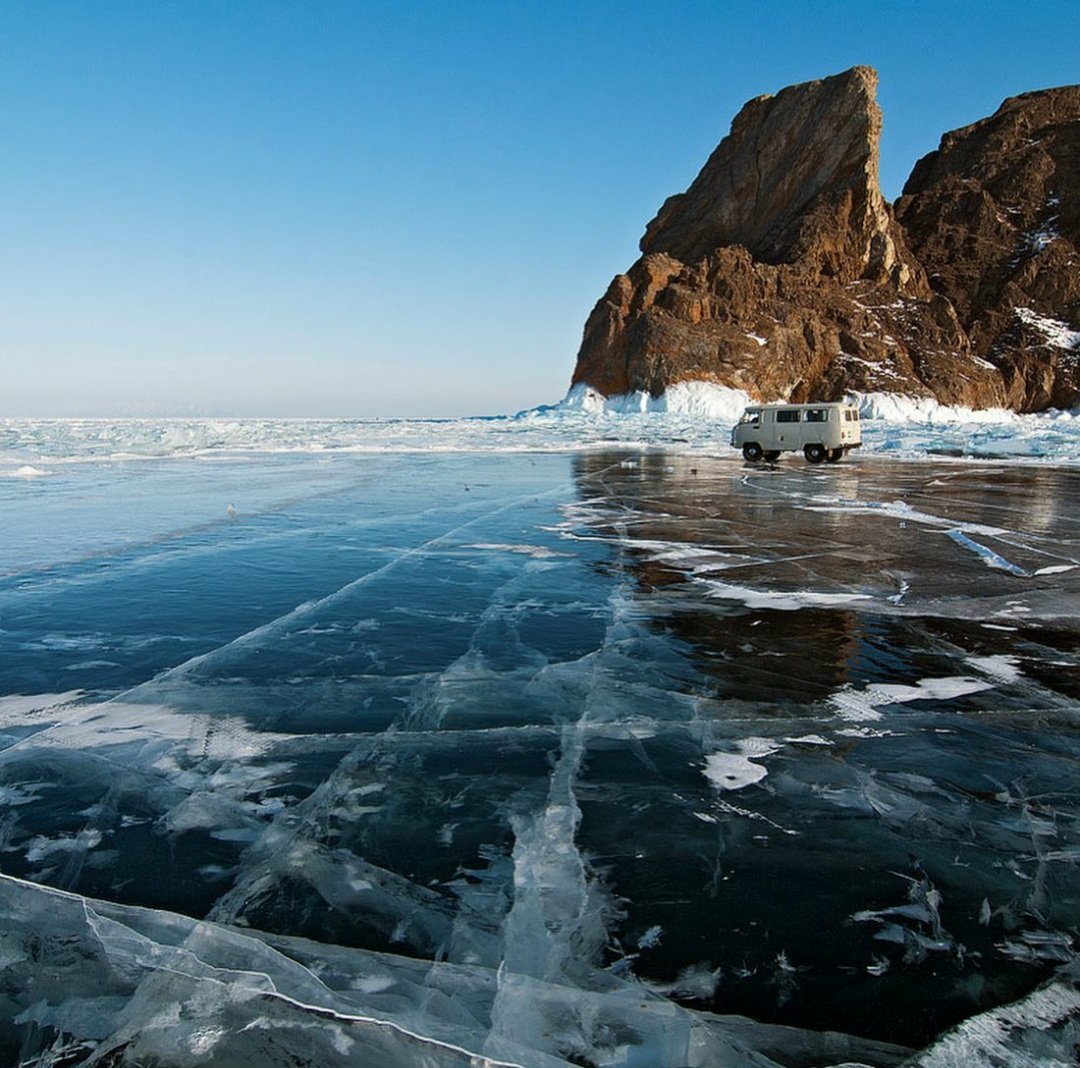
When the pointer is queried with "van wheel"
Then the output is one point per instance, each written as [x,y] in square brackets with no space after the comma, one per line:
[835,455]
[814,453]
[772,455]
[751,451]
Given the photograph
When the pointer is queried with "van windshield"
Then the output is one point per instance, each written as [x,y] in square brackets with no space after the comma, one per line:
[751,415]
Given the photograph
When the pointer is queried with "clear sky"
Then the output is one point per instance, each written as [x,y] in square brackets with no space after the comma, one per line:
[320,207]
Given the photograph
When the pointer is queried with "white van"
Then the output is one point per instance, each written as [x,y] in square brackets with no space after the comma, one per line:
[822,431]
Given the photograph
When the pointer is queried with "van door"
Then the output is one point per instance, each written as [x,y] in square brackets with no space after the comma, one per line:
[787,428]
[815,429]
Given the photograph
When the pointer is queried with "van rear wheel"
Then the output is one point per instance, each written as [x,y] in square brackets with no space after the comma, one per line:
[752,451]
[835,455]
[814,453]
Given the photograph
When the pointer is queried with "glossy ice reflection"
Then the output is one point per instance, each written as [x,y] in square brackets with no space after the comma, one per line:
[619,758]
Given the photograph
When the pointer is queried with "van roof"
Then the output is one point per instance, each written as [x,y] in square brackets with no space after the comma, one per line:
[809,404]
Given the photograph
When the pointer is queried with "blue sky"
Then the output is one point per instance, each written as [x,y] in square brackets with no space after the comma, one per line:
[329,208]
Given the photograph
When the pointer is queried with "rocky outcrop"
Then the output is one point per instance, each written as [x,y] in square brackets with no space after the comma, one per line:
[994,216]
[782,271]
[796,181]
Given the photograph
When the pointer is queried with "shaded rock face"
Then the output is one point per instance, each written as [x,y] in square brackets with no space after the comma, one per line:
[783,272]
[994,216]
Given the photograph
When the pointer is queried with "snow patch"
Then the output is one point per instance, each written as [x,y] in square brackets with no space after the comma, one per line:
[733,771]
[998,668]
[1058,334]
[860,706]
[537,552]
[27,471]
[780,600]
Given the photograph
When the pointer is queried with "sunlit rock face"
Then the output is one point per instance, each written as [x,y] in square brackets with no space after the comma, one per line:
[783,272]
[796,181]
[994,216]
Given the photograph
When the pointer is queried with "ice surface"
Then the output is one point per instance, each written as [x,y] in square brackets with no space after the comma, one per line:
[628,756]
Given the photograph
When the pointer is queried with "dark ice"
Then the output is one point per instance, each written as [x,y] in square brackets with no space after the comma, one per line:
[617,758]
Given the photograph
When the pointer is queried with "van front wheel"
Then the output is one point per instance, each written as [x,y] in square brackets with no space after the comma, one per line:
[814,453]
[835,456]
[751,451]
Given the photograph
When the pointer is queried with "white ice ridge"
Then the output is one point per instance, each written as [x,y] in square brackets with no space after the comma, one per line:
[902,408]
[692,417]
[988,556]
[683,398]
[1041,1030]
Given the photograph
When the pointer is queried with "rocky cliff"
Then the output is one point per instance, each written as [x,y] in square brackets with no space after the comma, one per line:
[994,217]
[783,271]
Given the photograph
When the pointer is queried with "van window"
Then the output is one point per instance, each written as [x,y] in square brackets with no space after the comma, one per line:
[817,415]
[788,415]
[751,415]
[850,415]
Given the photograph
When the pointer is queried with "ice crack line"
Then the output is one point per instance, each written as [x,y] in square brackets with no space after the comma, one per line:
[555,925]
[170,960]
[274,625]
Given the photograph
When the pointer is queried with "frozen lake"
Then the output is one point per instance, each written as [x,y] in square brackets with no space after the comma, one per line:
[617,757]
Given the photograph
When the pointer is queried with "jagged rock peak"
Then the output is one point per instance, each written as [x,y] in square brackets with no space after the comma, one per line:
[796,180]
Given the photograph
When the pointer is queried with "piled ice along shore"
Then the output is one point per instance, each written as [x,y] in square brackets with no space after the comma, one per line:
[691,417]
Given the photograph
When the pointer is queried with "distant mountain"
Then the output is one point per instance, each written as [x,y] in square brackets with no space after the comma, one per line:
[784,272]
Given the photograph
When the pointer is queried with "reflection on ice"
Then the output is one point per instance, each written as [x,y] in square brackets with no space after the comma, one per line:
[607,760]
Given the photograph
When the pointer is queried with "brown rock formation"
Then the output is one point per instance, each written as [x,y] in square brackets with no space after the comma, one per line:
[782,271]
[994,215]
[796,181]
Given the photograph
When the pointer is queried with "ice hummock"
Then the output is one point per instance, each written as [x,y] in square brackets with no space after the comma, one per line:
[691,416]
